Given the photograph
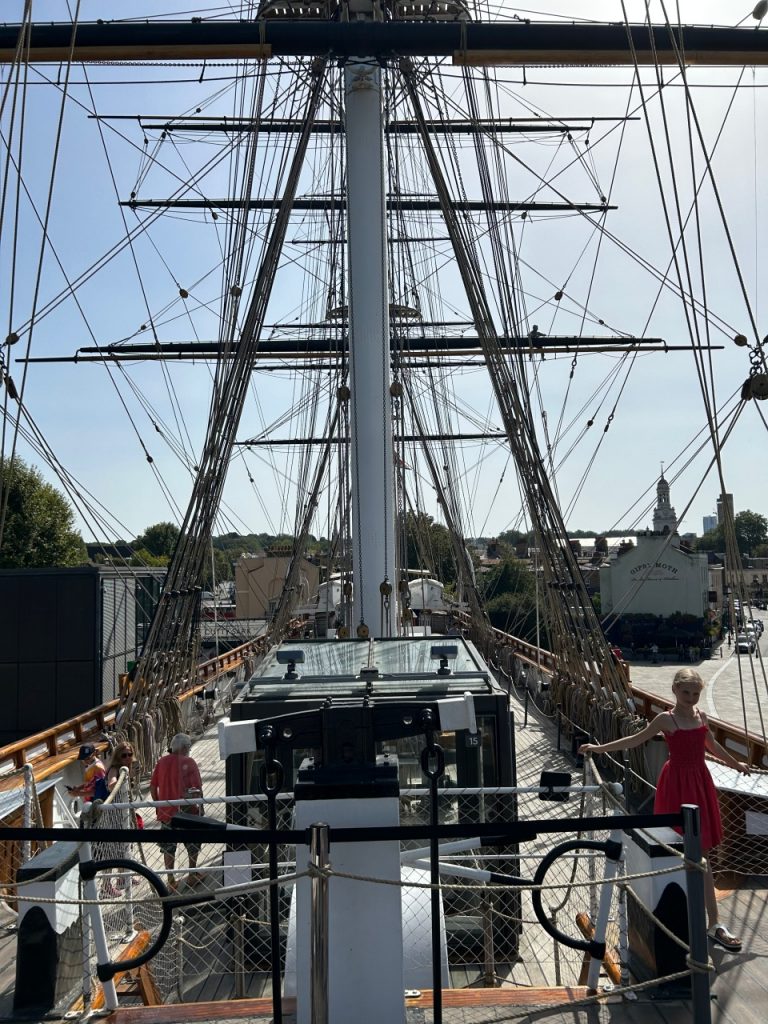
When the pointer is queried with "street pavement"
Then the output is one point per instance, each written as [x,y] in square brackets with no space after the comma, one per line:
[736,688]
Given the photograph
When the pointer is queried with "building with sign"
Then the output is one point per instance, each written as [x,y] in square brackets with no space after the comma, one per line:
[657,574]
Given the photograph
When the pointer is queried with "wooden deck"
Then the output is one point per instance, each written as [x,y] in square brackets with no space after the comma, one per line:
[739,991]
[739,984]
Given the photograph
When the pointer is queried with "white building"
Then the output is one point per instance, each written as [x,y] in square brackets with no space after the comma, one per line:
[656,575]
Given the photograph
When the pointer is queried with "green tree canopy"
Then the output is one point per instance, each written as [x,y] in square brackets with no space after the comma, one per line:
[39,522]
[751,530]
[514,613]
[512,537]
[512,576]
[159,540]
[222,568]
[712,540]
[429,547]
[142,556]
[509,594]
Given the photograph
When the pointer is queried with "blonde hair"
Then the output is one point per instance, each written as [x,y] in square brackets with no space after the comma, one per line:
[121,748]
[687,675]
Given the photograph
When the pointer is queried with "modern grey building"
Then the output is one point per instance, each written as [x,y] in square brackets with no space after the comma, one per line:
[725,500]
[66,635]
[709,523]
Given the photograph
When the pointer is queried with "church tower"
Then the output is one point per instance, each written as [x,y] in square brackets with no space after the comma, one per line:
[664,518]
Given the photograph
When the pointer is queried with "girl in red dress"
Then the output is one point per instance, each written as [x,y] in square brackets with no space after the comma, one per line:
[685,779]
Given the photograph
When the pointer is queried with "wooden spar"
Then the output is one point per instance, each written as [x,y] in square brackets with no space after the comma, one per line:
[604,58]
[502,42]
[610,960]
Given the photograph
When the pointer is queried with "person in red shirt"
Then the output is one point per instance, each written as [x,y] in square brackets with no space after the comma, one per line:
[175,777]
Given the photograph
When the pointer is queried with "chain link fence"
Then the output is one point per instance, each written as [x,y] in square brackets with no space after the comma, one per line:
[222,948]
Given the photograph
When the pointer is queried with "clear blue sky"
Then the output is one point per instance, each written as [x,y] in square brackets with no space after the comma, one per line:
[99,429]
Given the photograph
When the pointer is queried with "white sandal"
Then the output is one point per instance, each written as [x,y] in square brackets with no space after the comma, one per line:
[722,937]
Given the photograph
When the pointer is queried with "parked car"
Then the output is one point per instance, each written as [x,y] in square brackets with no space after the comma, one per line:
[744,644]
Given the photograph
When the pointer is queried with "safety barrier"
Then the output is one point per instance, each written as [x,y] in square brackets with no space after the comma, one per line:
[510,895]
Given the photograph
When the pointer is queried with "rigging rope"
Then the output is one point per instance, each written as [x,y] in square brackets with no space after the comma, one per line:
[170,650]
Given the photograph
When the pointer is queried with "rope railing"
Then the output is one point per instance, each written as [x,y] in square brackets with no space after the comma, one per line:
[746,746]
[191,942]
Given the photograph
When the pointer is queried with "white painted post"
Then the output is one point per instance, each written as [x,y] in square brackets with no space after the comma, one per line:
[97,925]
[29,791]
[604,908]
[373,509]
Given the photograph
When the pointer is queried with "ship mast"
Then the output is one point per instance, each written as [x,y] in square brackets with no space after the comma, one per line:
[366,35]
[373,506]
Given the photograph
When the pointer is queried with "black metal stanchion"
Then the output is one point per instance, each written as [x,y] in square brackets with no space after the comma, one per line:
[318,988]
[433,766]
[271,778]
[697,920]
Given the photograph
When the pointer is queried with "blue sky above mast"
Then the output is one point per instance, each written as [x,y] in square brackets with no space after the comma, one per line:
[660,409]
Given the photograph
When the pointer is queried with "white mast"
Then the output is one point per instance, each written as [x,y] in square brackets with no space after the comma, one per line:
[373,507]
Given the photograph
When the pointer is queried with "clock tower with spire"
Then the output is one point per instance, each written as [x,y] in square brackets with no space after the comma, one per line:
[664,518]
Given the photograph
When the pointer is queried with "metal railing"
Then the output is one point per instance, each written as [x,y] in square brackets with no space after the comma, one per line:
[435,835]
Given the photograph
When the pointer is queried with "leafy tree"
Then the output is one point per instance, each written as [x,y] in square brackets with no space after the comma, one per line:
[236,544]
[141,556]
[429,547]
[514,613]
[512,537]
[509,592]
[512,576]
[222,566]
[39,525]
[159,540]
[712,540]
[751,531]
